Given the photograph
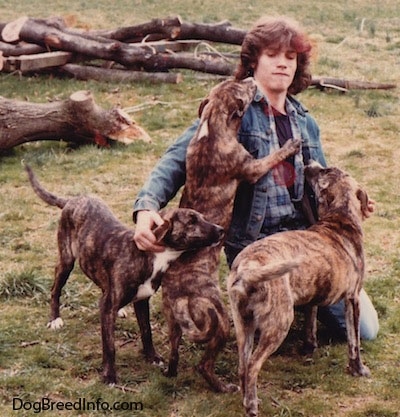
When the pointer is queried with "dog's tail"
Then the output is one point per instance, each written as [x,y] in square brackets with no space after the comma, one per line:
[46,196]
[201,318]
[255,273]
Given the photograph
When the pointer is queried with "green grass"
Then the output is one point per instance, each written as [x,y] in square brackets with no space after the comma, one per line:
[356,40]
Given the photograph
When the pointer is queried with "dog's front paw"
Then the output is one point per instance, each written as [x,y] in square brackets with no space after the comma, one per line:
[109,378]
[55,324]
[308,348]
[291,147]
[158,361]
[122,313]
[170,372]
[153,358]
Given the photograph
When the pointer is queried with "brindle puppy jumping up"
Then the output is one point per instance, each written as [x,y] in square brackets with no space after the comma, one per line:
[215,165]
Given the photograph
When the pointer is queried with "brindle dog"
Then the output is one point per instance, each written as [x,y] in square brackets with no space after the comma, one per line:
[215,165]
[317,266]
[106,252]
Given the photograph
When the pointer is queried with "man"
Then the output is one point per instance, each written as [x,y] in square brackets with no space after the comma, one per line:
[276,52]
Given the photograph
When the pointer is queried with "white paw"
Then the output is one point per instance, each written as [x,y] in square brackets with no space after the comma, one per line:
[122,313]
[55,324]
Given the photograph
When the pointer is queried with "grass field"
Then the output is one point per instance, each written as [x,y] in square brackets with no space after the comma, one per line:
[356,39]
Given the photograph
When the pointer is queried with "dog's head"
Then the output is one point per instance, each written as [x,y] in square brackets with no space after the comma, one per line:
[336,190]
[186,229]
[227,102]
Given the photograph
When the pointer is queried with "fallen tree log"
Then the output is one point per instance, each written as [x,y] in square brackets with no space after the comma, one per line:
[19,49]
[86,72]
[174,28]
[52,35]
[77,119]
[344,85]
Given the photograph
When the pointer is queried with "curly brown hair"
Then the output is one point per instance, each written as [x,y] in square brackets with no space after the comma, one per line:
[276,33]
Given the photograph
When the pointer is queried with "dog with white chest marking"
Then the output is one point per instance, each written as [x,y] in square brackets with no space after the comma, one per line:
[314,267]
[89,233]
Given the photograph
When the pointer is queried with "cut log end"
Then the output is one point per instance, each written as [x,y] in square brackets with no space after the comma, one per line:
[131,134]
[10,32]
[81,96]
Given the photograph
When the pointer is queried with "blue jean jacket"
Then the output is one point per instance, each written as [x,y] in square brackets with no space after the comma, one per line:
[259,209]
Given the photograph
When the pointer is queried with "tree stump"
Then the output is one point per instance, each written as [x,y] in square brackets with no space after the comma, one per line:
[77,119]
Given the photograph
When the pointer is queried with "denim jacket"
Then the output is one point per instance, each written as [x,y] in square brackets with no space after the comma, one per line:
[260,209]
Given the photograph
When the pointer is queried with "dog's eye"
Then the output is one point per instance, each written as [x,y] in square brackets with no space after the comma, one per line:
[192,220]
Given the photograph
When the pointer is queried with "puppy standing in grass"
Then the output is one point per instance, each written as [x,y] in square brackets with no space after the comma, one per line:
[89,233]
[317,266]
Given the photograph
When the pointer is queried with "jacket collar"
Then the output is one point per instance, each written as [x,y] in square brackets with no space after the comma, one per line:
[298,107]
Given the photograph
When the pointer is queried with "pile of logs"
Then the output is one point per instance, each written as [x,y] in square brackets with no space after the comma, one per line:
[149,50]
[153,51]
[134,53]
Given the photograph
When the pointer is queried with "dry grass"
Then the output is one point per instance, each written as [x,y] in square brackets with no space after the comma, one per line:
[356,40]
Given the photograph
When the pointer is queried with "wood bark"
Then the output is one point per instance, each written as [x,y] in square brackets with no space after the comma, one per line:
[86,72]
[52,35]
[19,49]
[345,85]
[77,119]
[175,29]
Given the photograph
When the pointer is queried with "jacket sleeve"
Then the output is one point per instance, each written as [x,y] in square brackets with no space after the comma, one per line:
[167,177]
[317,152]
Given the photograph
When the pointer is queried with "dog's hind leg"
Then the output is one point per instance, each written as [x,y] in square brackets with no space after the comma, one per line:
[63,269]
[245,342]
[62,273]
[206,367]
[355,366]
[202,320]
[268,343]
[248,361]
[142,311]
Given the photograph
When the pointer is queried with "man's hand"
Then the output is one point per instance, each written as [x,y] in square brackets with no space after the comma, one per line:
[144,236]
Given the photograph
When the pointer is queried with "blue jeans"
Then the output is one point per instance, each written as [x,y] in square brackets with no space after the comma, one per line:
[334,315]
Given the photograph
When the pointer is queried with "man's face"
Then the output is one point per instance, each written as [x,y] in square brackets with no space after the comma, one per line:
[276,69]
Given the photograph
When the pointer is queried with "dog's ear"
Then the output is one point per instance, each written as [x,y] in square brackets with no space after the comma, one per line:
[364,200]
[203,131]
[162,230]
[202,105]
